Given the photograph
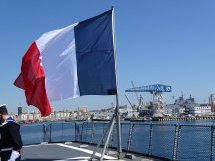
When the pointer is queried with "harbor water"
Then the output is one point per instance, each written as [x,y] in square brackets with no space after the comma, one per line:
[174,140]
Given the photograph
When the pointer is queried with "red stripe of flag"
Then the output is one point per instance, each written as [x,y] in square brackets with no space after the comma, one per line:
[32,80]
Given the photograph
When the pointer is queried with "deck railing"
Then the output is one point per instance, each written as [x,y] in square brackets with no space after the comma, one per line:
[166,141]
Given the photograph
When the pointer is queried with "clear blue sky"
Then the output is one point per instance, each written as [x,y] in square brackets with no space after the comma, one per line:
[158,41]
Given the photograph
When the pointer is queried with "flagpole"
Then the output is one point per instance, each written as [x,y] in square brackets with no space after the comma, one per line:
[117,114]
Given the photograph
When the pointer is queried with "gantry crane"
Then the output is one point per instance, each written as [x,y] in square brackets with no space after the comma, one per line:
[157,91]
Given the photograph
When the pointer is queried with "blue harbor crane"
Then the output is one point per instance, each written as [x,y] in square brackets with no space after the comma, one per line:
[157,91]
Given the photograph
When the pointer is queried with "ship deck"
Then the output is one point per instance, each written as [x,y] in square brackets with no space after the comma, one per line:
[69,151]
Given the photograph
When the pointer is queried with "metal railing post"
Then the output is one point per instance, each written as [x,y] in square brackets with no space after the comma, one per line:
[93,132]
[212,142]
[131,131]
[44,132]
[82,127]
[62,131]
[77,132]
[50,133]
[150,140]
[86,131]
[103,132]
[176,139]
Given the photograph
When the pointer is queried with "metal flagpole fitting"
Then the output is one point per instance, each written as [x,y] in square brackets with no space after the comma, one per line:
[108,137]
[119,146]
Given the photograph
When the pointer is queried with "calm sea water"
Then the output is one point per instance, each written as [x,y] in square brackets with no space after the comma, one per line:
[194,143]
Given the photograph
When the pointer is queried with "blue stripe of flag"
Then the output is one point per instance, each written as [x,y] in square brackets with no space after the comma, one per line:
[95,55]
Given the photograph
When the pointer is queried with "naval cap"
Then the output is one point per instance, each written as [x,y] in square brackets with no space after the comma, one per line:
[3,109]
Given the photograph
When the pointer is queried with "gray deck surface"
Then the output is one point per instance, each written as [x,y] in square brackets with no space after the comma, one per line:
[68,151]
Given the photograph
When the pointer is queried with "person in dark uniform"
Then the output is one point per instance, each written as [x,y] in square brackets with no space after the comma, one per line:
[10,138]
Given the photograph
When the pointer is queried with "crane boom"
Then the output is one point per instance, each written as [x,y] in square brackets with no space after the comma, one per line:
[128,100]
[151,88]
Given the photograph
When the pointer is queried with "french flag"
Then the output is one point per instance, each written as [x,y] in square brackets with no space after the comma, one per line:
[73,61]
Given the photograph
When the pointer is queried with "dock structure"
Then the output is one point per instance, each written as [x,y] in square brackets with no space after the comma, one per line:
[187,118]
